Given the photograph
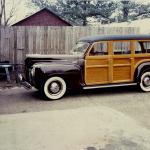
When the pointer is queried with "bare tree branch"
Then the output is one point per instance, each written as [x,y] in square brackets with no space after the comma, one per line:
[143,13]
[2,11]
[4,4]
[6,16]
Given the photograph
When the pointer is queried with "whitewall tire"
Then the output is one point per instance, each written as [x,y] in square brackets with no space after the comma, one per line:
[55,88]
[145,82]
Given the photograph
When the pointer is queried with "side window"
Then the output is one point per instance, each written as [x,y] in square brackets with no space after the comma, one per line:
[142,47]
[99,49]
[121,48]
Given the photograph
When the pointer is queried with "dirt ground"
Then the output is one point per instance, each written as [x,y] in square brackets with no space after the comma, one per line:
[103,119]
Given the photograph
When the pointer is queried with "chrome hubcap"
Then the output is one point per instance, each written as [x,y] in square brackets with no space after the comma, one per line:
[146,81]
[54,87]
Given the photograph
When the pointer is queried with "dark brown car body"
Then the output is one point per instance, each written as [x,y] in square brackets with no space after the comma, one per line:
[69,67]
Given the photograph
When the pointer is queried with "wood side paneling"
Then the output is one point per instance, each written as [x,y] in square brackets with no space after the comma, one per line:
[97,75]
[121,73]
[121,61]
[99,61]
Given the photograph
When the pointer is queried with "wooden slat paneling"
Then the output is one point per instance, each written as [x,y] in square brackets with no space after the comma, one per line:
[16,42]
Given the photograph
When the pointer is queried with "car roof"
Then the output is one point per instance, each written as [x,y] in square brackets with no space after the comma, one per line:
[96,38]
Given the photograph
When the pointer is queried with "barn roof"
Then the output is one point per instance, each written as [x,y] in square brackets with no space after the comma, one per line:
[44,9]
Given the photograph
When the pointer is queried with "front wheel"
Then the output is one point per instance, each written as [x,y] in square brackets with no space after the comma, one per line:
[55,88]
[145,82]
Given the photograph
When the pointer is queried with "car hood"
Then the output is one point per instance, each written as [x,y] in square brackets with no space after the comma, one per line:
[63,56]
[36,58]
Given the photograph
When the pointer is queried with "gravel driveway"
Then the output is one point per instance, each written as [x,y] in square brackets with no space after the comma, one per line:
[104,119]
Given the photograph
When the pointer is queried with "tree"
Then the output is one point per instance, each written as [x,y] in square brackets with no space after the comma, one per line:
[6,16]
[2,8]
[143,10]
[125,9]
[128,10]
[77,11]
[105,9]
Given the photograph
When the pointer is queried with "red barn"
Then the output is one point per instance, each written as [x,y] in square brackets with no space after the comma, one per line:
[44,17]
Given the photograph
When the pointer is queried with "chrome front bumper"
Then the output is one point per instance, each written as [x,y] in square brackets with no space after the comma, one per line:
[21,81]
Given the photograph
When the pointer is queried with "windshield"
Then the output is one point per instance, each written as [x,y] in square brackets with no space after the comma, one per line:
[80,48]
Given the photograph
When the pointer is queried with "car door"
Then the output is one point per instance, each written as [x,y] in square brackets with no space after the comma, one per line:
[122,60]
[97,64]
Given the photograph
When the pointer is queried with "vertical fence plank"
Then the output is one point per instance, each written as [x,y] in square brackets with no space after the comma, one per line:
[30,39]
[11,45]
[2,44]
[15,45]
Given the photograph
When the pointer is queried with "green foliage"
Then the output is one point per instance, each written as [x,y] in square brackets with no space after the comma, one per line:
[77,11]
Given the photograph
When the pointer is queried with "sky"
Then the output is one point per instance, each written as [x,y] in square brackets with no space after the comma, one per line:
[22,10]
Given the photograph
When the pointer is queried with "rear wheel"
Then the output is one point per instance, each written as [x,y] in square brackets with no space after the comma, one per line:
[55,88]
[145,82]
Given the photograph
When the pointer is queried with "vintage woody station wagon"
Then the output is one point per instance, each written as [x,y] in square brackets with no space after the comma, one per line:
[96,61]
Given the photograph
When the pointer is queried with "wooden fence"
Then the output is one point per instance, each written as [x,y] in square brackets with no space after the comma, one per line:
[16,42]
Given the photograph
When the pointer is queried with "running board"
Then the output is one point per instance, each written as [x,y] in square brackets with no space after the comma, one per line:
[110,85]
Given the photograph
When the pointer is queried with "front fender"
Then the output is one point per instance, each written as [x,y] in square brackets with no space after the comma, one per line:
[71,73]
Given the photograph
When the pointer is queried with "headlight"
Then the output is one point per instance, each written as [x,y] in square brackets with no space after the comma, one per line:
[33,72]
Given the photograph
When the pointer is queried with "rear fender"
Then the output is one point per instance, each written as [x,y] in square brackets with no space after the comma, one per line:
[140,70]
